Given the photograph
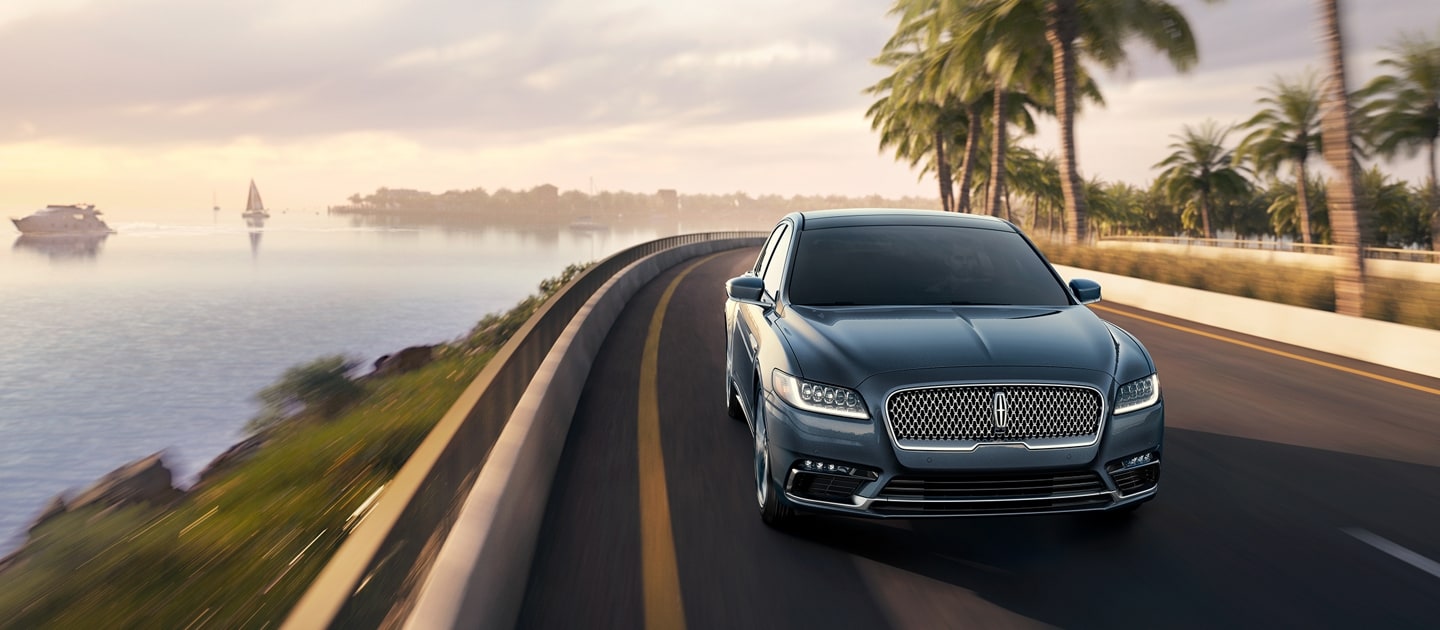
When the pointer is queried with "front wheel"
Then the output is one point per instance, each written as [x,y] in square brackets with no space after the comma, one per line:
[773,510]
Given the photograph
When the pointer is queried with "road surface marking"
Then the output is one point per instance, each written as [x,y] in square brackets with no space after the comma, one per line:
[1280,353]
[660,575]
[1405,555]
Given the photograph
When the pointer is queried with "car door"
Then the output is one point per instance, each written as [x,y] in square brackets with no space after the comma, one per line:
[750,327]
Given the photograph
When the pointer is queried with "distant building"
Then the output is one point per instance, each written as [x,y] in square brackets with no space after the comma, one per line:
[669,200]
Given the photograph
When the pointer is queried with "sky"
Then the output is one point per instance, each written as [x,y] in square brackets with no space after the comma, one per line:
[168,104]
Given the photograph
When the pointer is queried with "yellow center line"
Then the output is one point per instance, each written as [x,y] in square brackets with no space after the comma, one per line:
[660,574]
[1279,353]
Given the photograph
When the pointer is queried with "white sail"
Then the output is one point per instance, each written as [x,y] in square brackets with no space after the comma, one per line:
[254,207]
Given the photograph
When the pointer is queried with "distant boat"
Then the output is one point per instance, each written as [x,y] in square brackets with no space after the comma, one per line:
[62,246]
[254,208]
[63,220]
[588,224]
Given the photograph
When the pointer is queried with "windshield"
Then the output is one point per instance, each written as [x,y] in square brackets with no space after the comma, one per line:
[919,265]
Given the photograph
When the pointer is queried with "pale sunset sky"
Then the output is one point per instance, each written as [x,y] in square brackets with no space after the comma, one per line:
[158,104]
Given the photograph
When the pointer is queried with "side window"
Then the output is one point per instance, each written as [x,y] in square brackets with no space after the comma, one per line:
[776,266]
[769,247]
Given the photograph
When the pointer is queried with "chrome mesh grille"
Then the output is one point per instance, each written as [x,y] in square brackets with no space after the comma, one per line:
[967,413]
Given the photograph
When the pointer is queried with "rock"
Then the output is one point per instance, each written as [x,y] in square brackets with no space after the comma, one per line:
[146,480]
[237,453]
[407,360]
[54,508]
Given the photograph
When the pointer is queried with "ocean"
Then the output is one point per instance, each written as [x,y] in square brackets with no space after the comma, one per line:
[156,338]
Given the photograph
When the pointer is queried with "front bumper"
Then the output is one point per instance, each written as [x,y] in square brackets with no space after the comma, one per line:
[828,464]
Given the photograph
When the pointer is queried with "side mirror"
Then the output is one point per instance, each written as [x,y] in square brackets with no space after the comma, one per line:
[1087,291]
[747,289]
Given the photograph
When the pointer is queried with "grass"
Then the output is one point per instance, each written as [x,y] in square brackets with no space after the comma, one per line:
[239,551]
[1409,302]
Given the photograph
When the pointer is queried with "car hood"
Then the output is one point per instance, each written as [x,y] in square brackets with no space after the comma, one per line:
[845,346]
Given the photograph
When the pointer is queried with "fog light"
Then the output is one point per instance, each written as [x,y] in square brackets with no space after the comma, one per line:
[832,468]
[1136,461]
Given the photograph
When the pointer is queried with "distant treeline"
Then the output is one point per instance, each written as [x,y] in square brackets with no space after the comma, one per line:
[546,203]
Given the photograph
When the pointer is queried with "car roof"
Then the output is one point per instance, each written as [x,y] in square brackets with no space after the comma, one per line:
[848,217]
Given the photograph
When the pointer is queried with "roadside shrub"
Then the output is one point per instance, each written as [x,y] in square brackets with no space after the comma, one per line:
[321,388]
[1408,302]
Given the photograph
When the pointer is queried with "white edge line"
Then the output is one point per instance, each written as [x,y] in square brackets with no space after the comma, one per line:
[1409,557]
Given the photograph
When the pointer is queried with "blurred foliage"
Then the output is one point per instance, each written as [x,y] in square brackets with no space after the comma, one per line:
[1409,302]
[241,547]
[320,389]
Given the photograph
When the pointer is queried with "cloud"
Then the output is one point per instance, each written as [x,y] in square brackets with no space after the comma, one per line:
[447,55]
[167,71]
[758,57]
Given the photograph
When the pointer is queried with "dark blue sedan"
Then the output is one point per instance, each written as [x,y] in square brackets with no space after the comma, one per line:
[911,363]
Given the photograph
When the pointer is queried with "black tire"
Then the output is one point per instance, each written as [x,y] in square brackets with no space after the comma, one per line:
[732,403]
[774,510]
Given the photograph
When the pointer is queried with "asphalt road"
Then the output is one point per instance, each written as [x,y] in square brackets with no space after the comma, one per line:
[1295,494]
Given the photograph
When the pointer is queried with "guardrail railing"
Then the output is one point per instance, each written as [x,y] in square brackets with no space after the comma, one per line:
[1383,253]
[383,559]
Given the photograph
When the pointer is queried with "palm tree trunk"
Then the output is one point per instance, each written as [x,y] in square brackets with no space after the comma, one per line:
[997,155]
[1434,202]
[1060,26]
[972,145]
[1302,202]
[942,172]
[1205,214]
[1336,133]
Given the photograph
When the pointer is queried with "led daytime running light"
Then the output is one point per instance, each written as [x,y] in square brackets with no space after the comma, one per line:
[1138,394]
[819,397]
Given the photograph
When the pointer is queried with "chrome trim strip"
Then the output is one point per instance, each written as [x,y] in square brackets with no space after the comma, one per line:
[997,500]
[863,506]
[1039,444]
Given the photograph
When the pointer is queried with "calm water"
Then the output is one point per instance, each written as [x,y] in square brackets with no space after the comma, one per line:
[157,337]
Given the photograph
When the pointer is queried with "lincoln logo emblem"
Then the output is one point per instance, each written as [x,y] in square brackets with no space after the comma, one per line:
[1000,412]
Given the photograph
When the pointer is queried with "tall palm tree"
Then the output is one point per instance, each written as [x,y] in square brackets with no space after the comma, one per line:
[1402,110]
[995,38]
[1098,31]
[1287,129]
[1336,130]
[918,128]
[982,53]
[1201,169]
[926,74]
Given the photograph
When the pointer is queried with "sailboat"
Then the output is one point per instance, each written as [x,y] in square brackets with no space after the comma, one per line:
[254,208]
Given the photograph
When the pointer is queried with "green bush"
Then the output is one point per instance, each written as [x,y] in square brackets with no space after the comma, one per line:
[321,388]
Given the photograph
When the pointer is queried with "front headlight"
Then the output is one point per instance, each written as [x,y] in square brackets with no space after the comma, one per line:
[1138,394]
[818,397]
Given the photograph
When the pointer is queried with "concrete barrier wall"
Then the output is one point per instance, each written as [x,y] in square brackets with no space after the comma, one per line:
[479,577]
[1384,343]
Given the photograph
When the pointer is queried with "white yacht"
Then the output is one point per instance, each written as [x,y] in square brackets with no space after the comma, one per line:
[72,219]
